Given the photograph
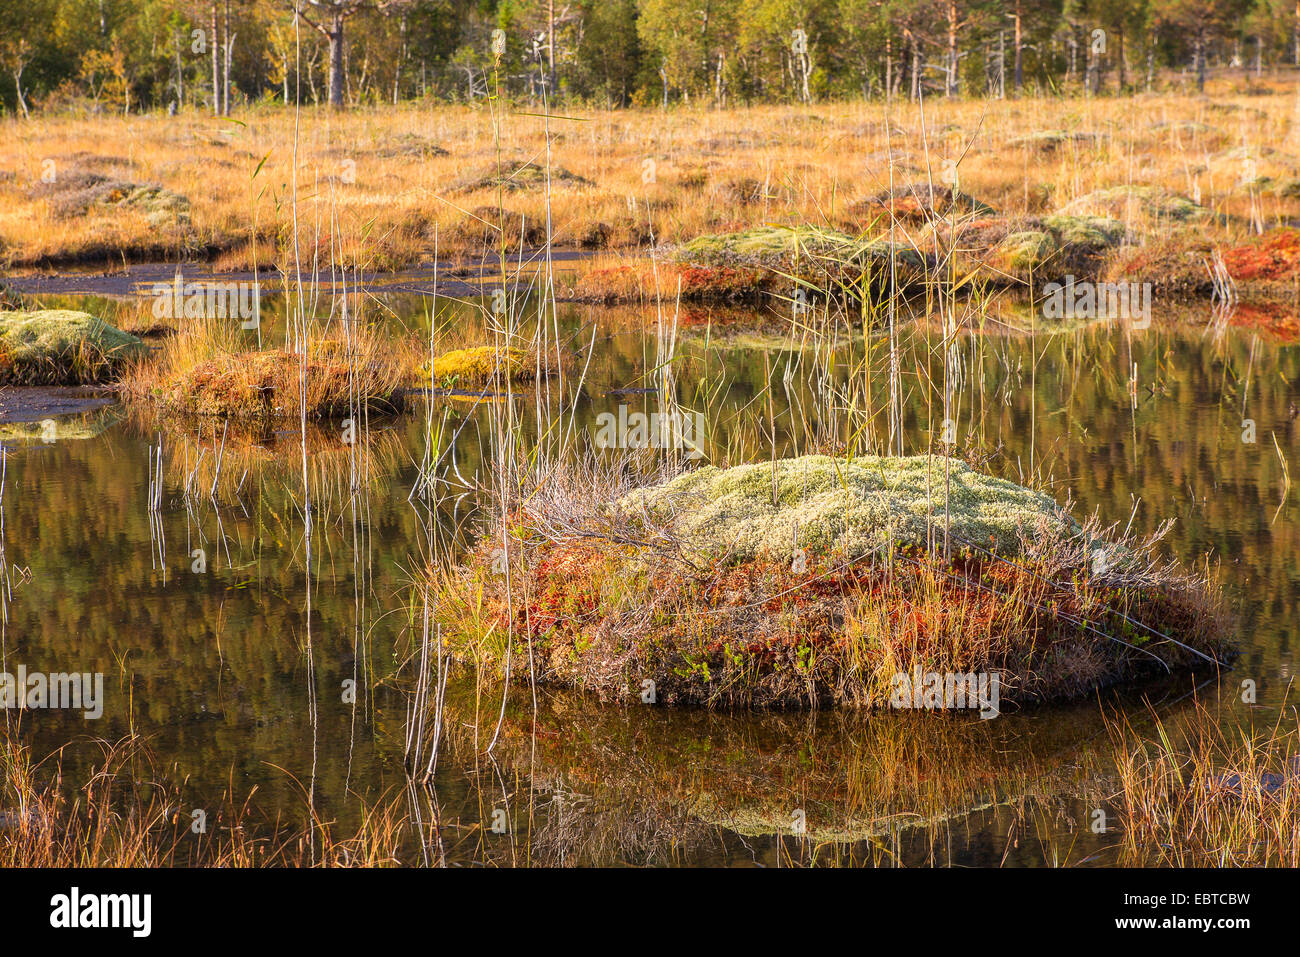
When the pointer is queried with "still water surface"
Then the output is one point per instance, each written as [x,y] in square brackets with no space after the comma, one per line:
[217,666]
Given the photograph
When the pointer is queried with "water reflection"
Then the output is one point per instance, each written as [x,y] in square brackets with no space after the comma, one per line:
[199,612]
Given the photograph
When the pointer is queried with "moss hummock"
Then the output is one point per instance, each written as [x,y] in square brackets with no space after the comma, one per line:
[62,347]
[819,580]
[480,365]
[784,247]
[1148,204]
[80,192]
[752,265]
[832,506]
[1022,252]
[525,176]
[821,261]
[922,202]
[1050,140]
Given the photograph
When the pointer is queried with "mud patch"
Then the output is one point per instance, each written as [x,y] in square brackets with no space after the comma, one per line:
[34,403]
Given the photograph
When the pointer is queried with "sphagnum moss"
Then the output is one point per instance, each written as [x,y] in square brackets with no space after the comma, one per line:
[481,365]
[854,508]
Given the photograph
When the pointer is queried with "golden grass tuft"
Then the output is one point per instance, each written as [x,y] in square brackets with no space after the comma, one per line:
[1209,797]
[207,370]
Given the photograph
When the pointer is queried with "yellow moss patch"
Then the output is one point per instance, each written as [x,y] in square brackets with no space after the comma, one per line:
[480,365]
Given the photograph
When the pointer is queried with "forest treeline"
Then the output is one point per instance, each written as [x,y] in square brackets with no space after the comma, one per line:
[126,56]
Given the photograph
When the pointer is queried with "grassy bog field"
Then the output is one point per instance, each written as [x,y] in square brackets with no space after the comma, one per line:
[385,188]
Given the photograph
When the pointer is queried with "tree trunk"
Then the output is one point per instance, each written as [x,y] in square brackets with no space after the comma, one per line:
[889,65]
[1020,51]
[226,45]
[1002,65]
[335,36]
[397,74]
[1200,65]
[952,50]
[18,88]
[1123,79]
[216,63]
[550,47]
[180,77]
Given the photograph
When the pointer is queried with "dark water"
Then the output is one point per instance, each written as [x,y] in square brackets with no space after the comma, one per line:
[236,687]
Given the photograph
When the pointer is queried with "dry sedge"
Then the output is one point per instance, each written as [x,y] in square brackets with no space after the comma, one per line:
[1209,796]
[207,370]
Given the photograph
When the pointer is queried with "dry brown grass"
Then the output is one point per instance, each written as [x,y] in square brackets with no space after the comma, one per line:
[206,370]
[619,179]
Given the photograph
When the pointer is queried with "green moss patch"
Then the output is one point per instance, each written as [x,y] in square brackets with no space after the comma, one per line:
[833,506]
[1087,232]
[62,347]
[1021,253]
[481,365]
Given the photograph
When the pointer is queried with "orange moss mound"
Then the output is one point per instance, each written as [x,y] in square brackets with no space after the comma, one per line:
[645,282]
[1273,257]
